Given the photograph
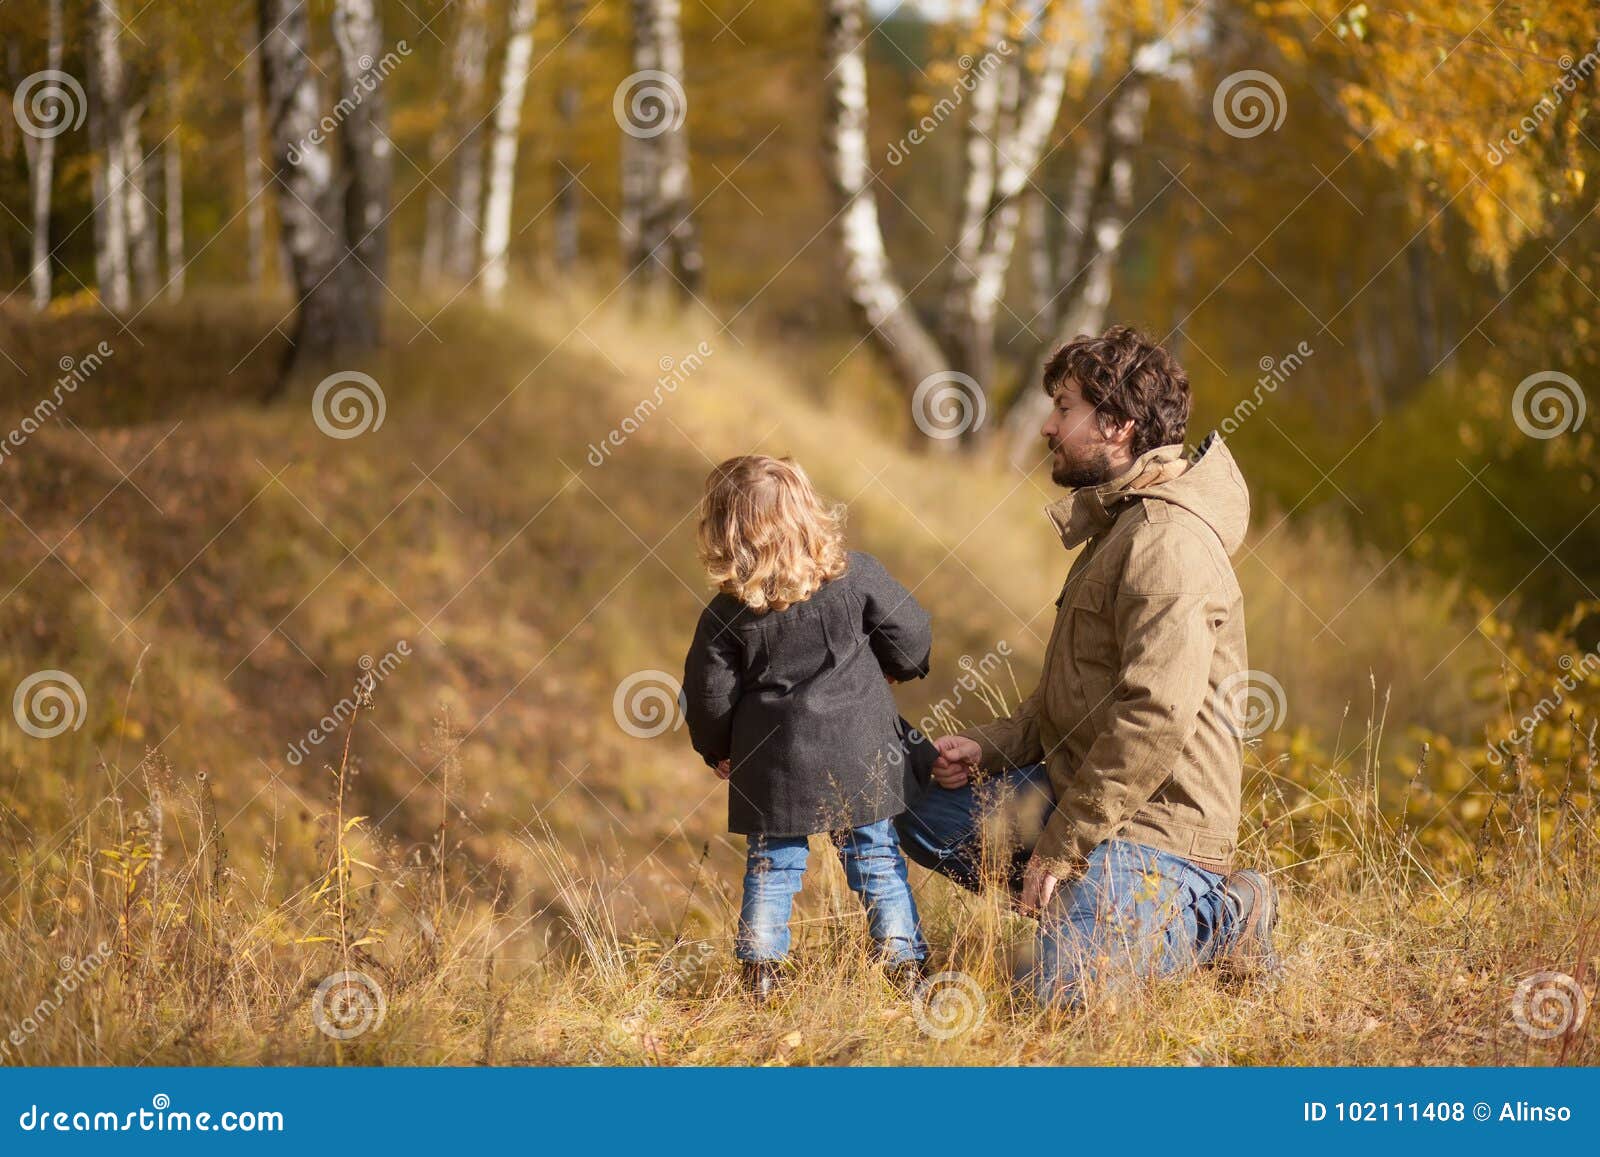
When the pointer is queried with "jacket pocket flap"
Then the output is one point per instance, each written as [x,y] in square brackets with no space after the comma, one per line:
[1090,595]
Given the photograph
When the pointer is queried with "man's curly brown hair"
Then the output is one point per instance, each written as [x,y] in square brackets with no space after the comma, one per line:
[1126,377]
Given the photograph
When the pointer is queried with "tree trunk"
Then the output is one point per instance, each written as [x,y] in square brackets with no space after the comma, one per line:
[255,187]
[172,188]
[364,145]
[874,293]
[503,151]
[452,235]
[41,154]
[137,188]
[659,235]
[111,208]
[310,212]
[568,199]
[1088,294]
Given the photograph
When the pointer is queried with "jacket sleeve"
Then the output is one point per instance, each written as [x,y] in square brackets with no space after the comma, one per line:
[1012,741]
[1166,617]
[711,687]
[899,631]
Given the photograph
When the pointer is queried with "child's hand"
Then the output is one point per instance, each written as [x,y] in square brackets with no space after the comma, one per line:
[724,769]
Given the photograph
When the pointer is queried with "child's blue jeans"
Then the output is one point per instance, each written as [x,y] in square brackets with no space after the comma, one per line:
[874,869]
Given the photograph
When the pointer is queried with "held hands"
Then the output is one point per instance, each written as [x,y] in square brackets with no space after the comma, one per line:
[958,759]
[1038,885]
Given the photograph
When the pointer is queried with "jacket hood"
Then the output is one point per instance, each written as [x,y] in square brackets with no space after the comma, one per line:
[1207,484]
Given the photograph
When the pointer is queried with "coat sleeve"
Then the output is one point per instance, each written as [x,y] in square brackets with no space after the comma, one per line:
[1166,617]
[899,631]
[1012,741]
[711,687]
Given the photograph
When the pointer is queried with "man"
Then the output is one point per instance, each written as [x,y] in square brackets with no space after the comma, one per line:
[1127,744]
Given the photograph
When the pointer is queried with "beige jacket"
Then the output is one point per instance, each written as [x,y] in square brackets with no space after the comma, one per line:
[1127,716]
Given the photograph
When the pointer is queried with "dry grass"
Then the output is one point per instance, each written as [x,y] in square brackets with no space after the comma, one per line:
[524,882]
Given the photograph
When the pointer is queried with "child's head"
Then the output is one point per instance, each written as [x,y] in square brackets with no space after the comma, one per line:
[765,536]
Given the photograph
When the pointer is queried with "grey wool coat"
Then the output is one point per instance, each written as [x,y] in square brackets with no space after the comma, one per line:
[797,701]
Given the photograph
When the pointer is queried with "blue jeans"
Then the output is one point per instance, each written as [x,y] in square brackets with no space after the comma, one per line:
[1134,913]
[874,869]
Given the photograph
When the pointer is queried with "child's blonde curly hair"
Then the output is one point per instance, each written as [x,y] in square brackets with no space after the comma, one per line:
[765,537]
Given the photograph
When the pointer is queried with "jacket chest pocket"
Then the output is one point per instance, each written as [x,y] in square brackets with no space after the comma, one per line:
[1092,657]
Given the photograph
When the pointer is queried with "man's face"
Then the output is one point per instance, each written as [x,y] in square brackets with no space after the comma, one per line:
[1082,455]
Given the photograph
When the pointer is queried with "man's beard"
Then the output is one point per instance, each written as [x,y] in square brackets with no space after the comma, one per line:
[1091,469]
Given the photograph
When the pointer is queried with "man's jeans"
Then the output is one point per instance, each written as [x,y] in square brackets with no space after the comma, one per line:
[874,869]
[1134,913]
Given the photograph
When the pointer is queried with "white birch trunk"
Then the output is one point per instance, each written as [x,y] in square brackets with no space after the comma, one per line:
[140,210]
[172,189]
[364,144]
[41,155]
[112,206]
[874,293]
[255,182]
[503,151]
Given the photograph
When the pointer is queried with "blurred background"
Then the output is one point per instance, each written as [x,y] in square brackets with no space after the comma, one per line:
[362,361]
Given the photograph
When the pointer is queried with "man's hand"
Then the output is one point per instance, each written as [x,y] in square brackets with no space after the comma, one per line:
[1038,885]
[725,769]
[958,758]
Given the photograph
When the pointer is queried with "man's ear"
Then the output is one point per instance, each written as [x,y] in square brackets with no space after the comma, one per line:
[1121,434]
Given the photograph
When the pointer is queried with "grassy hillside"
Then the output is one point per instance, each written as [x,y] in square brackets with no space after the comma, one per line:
[526,877]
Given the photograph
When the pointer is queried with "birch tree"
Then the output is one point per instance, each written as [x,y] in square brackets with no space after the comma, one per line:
[452,229]
[365,147]
[172,186]
[138,183]
[40,151]
[255,185]
[309,208]
[659,237]
[106,116]
[503,150]
[565,232]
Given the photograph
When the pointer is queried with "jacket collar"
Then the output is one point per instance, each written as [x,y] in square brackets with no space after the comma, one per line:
[1085,513]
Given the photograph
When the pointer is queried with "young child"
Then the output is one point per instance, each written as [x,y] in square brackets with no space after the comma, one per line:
[787,692]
